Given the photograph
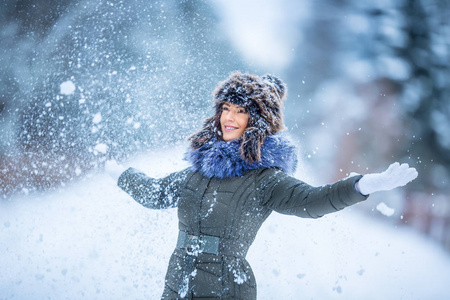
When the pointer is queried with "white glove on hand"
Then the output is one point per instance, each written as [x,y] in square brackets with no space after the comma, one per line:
[113,169]
[396,175]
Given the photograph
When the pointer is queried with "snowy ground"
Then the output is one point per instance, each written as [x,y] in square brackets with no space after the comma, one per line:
[92,241]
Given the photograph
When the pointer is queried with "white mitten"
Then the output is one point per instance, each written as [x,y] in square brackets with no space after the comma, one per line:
[113,169]
[396,175]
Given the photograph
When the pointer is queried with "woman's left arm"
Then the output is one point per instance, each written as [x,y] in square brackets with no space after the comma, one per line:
[288,195]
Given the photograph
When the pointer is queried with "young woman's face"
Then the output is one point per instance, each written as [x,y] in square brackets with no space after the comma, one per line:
[233,121]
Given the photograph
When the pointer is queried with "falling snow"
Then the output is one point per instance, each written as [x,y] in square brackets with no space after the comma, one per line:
[102,148]
[67,88]
[385,210]
[97,118]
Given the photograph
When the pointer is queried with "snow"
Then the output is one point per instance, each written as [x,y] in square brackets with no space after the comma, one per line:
[385,210]
[97,118]
[67,87]
[102,148]
[90,240]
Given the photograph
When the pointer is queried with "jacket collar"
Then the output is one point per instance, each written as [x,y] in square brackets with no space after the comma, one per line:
[222,159]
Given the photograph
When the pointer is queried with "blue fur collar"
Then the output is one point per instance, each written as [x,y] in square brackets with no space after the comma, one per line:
[222,159]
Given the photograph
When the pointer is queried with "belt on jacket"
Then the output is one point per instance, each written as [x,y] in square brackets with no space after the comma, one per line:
[210,244]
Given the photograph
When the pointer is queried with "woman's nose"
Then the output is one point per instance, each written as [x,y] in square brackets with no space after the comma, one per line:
[230,116]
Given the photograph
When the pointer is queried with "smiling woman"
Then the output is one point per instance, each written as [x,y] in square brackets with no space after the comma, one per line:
[233,121]
[260,98]
[240,173]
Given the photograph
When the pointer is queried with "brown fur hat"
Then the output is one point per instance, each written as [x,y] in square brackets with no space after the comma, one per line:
[262,97]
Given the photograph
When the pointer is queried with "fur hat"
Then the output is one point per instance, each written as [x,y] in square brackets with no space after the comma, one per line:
[262,97]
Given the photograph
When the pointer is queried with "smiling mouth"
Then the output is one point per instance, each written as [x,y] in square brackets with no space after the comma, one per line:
[229,128]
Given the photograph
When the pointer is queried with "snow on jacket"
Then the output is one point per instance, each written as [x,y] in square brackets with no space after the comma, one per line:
[222,196]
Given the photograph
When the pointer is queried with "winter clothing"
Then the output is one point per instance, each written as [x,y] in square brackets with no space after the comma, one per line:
[222,160]
[230,190]
[262,98]
[222,201]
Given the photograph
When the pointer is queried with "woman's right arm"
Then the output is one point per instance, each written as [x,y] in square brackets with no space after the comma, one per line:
[155,193]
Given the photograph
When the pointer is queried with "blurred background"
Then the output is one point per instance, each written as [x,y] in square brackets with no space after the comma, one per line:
[85,81]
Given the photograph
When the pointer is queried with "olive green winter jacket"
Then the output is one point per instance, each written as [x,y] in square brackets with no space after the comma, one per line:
[231,210]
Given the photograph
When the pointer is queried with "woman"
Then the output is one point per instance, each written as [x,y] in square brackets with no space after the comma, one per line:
[240,172]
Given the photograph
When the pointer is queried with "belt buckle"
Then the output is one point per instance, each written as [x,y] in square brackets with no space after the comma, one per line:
[193,245]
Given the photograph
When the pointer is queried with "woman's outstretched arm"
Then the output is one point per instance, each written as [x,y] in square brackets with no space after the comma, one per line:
[289,195]
[152,192]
